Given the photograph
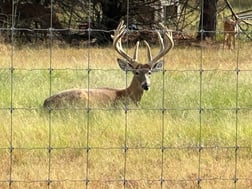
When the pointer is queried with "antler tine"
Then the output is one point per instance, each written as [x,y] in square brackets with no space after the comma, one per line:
[166,44]
[118,33]
[148,51]
[117,43]
[161,41]
[135,57]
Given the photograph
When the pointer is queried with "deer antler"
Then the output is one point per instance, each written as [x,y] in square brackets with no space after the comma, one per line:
[166,44]
[117,43]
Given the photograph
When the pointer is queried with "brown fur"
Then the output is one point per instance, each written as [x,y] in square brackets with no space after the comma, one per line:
[230,31]
[94,97]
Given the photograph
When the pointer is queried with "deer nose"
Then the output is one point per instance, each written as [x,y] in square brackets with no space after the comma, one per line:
[145,86]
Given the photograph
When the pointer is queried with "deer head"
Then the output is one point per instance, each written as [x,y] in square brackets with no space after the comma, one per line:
[142,72]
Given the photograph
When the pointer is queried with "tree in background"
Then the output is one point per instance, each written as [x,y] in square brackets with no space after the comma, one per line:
[102,16]
[208,19]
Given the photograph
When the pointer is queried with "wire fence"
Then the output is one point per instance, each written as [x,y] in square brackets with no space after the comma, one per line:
[152,145]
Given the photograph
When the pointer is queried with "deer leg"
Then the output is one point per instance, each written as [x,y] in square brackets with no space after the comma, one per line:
[234,41]
[229,41]
[224,40]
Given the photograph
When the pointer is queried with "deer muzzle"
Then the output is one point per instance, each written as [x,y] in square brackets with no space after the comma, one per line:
[145,86]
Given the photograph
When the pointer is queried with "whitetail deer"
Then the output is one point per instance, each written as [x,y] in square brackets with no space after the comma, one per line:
[230,32]
[139,83]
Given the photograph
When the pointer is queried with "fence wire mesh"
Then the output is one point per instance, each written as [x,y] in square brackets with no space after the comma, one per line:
[192,130]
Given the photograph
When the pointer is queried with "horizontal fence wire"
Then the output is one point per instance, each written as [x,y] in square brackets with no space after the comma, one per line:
[85,151]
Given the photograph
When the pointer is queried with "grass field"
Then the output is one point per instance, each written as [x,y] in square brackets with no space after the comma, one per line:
[192,129]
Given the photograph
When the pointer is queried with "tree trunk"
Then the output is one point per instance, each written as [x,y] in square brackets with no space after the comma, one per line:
[112,12]
[208,18]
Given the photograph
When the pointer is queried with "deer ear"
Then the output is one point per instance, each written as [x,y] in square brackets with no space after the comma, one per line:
[124,65]
[157,66]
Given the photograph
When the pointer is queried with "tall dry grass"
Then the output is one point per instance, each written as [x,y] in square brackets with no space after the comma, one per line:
[193,128]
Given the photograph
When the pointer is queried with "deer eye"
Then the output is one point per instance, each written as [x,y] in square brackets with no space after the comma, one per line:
[149,72]
[137,72]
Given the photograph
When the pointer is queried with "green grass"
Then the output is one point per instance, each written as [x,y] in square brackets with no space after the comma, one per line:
[168,116]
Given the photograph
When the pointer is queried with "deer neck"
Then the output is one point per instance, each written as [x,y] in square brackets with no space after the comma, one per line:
[133,92]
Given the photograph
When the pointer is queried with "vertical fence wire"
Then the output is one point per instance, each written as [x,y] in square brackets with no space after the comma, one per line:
[88,105]
[11,148]
[201,71]
[162,147]
[236,147]
[126,111]
[50,69]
